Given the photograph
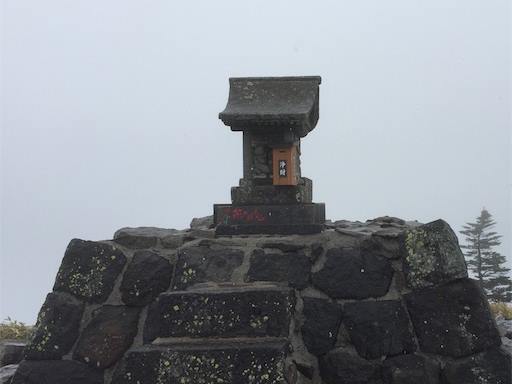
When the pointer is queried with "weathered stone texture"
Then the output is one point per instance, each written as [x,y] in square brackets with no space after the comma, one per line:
[493,366]
[411,369]
[251,363]
[201,264]
[350,274]
[339,366]
[57,327]
[264,311]
[453,319]
[147,275]
[322,320]
[56,372]
[141,237]
[291,268]
[107,336]
[432,255]
[89,270]
[379,328]
[11,352]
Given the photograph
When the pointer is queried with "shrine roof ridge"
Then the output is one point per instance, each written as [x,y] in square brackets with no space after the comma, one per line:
[276,102]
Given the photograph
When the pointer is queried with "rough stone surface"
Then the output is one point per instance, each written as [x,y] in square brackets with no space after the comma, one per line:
[11,352]
[379,328]
[56,329]
[453,319]
[201,264]
[89,270]
[339,366]
[7,373]
[291,268]
[351,274]
[107,336]
[147,275]
[264,311]
[257,363]
[248,193]
[56,372]
[322,320]
[201,222]
[411,369]
[432,255]
[141,237]
[490,367]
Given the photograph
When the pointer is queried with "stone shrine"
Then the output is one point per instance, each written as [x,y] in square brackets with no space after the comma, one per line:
[273,113]
[300,301]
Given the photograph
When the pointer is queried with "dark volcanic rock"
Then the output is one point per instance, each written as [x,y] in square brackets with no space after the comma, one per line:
[89,270]
[379,328]
[291,268]
[322,320]
[147,275]
[201,264]
[56,372]
[201,222]
[339,366]
[141,237]
[351,274]
[57,327]
[263,311]
[432,255]
[453,319]
[283,245]
[411,369]
[255,362]
[11,352]
[493,366]
[7,373]
[107,336]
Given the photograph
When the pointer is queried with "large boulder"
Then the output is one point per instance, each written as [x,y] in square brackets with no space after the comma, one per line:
[339,366]
[11,352]
[322,319]
[453,319]
[379,328]
[89,270]
[432,255]
[349,273]
[57,327]
[199,264]
[107,336]
[147,275]
[292,268]
[56,372]
[492,366]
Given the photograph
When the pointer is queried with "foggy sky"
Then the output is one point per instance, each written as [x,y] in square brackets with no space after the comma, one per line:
[109,115]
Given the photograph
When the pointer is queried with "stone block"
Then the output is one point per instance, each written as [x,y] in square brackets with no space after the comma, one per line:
[407,369]
[290,268]
[107,336]
[250,311]
[322,319]
[147,276]
[198,264]
[379,328]
[432,255]
[141,237]
[492,366]
[7,373]
[56,372]
[250,194]
[89,270]
[57,327]
[11,352]
[453,319]
[351,274]
[269,219]
[339,366]
[207,362]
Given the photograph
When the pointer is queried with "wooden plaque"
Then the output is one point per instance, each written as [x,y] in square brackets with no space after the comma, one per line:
[284,167]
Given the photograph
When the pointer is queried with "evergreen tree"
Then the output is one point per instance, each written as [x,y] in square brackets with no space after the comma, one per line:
[486,264]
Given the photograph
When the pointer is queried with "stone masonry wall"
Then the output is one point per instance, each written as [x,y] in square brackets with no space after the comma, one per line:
[380,302]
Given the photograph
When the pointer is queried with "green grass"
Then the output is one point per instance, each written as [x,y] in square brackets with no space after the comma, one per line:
[14,330]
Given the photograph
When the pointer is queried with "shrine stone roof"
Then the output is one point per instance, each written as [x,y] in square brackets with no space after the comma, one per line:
[272,102]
